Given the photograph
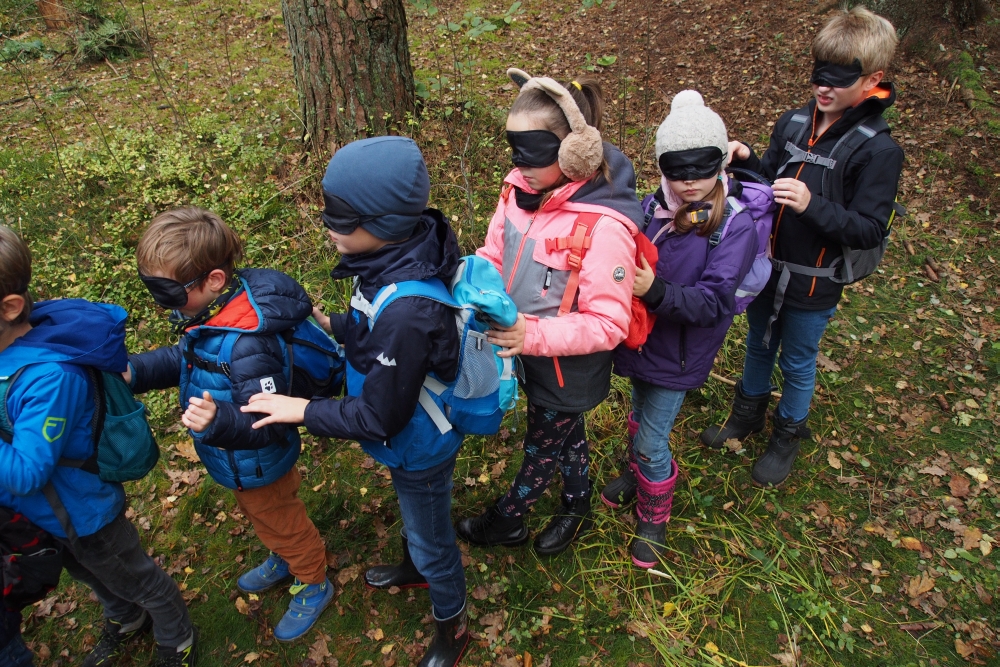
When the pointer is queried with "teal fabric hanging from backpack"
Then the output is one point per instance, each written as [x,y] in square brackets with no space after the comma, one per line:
[485,387]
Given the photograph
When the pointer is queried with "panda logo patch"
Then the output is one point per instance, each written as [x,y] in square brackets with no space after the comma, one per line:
[618,274]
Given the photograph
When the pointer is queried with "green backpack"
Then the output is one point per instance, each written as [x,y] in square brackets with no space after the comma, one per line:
[124,446]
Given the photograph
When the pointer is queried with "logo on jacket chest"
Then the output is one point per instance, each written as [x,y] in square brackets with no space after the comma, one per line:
[267,386]
[618,274]
[385,362]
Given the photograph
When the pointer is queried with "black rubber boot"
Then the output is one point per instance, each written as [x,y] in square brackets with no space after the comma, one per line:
[747,416]
[773,467]
[572,520]
[491,529]
[449,642]
[403,575]
[621,490]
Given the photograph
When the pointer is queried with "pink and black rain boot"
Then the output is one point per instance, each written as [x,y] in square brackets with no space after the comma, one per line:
[653,512]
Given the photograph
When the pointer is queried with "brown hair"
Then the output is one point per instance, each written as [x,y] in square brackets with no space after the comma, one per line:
[188,242]
[15,272]
[857,34]
[589,97]
[717,198]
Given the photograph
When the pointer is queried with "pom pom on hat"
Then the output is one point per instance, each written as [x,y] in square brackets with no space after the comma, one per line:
[690,124]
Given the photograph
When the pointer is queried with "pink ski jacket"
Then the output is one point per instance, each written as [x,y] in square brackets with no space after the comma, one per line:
[567,360]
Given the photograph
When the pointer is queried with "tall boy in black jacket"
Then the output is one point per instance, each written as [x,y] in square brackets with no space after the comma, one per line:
[825,208]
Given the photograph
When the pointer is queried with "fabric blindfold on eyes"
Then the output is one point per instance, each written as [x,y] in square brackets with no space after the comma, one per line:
[692,164]
[534,148]
[165,292]
[835,75]
[340,216]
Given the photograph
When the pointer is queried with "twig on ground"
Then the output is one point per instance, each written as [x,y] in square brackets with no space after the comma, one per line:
[732,383]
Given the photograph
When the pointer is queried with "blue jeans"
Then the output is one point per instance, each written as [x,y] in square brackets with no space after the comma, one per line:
[798,333]
[655,408]
[114,564]
[425,505]
[13,652]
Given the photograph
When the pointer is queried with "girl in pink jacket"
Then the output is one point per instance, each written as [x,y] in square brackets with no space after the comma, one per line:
[562,237]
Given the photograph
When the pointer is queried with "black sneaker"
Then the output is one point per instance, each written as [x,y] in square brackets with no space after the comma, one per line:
[114,637]
[180,656]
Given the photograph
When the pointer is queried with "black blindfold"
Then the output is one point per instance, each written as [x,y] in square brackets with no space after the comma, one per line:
[168,293]
[691,165]
[340,218]
[534,148]
[833,75]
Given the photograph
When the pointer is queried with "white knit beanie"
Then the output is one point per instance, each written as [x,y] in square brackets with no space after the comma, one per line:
[690,124]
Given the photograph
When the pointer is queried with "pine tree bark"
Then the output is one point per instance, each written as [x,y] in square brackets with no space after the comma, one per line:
[55,14]
[352,67]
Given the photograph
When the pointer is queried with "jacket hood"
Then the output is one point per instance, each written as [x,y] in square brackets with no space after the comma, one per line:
[618,194]
[431,252]
[267,302]
[74,331]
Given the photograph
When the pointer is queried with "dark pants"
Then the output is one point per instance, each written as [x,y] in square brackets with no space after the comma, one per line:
[553,439]
[126,581]
[13,652]
[425,504]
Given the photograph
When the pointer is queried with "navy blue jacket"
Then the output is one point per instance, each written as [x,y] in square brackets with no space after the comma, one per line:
[234,453]
[412,337]
[51,406]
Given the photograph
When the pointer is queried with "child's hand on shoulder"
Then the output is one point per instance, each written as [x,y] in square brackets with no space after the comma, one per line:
[279,409]
[791,193]
[511,338]
[322,319]
[200,413]
[738,150]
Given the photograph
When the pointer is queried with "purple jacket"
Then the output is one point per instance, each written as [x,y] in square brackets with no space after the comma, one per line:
[697,307]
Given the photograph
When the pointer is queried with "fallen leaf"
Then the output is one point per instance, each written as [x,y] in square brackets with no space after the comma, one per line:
[479,593]
[963,649]
[971,537]
[786,659]
[826,363]
[348,574]
[933,470]
[959,486]
[917,586]
[242,606]
[319,651]
[251,657]
[185,448]
[911,543]
[834,460]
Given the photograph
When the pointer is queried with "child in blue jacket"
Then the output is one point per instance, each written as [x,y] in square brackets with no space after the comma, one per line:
[386,234]
[51,407]
[230,349]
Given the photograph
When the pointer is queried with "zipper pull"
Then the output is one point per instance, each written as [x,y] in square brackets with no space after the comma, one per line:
[548,278]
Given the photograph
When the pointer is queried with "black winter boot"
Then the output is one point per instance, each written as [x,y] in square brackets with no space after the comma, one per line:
[403,575]
[114,640]
[491,528]
[449,642]
[622,489]
[773,467]
[747,416]
[573,519]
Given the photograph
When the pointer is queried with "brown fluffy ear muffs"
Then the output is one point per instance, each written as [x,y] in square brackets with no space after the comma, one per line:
[582,151]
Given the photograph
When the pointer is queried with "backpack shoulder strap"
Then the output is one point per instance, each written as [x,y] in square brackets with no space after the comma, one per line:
[6,425]
[792,135]
[733,206]
[649,206]
[221,364]
[844,149]
[89,464]
[578,243]
[431,288]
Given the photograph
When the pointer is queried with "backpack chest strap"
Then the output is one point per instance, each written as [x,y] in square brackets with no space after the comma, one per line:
[799,155]
[578,243]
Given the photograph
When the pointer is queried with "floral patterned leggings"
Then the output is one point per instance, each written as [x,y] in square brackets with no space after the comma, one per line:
[552,438]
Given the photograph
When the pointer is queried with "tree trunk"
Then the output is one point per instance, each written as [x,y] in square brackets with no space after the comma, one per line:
[352,67]
[55,14]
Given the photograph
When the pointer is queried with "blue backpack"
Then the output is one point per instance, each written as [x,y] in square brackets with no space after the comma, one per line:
[485,386]
[314,362]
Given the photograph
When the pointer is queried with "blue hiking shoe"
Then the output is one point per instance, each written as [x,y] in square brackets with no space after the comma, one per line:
[269,574]
[308,602]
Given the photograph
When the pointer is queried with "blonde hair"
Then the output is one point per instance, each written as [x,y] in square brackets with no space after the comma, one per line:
[860,34]
[15,272]
[717,198]
[188,242]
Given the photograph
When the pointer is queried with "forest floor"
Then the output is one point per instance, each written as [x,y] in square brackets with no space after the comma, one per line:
[880,550]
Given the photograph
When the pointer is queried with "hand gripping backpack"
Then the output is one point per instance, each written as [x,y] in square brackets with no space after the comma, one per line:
[485,386]
[757,199]
[124,446]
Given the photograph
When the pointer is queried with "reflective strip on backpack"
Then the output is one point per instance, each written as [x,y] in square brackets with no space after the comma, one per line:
[430,407]
[361,304]
[787,269]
